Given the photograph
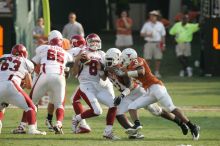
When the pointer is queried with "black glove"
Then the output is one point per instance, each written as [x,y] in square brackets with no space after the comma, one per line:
[118,99]
[4,104]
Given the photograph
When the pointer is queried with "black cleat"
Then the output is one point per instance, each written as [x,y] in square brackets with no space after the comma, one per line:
[195,132]
[184,128]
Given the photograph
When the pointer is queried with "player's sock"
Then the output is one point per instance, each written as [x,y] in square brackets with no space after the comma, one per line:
[78,108]
[190,125]
[137,122]
[108,128]
[1,115]
[110,118]
[60,114]
[177,121]
[49,117]
[88,114]
[24,117]
[31,117]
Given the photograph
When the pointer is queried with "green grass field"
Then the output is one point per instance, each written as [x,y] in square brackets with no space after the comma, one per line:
[199,97]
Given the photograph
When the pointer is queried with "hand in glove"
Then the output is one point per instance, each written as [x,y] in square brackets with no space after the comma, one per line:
[118,99]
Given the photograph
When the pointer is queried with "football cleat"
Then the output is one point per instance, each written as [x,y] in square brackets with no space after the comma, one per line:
[0,126]
[83,129]
[110,135]
[189,71]
[49,125]
[195,132]
[133,130]
[184,128]
[19,130]
[36,132]
[136,136]
[58,129]
[75,124]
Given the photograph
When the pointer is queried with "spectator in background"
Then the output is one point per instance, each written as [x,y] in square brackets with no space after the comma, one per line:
[73,27]
[183,32]
[164,21]
[193,15]
[124,32]
[154,33]
[38,35]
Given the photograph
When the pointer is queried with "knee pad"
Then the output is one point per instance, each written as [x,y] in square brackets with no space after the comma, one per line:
[154,109]
[96,107]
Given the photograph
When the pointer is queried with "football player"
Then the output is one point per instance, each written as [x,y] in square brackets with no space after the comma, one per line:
[78,43]
[136,67]
[87,68]
[15,68]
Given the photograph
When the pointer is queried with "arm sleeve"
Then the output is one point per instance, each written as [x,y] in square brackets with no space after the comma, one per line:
[194,27]
[143,29]
[173,30]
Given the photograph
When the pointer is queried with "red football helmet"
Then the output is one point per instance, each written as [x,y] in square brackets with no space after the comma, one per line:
[93,41]
[55,38]
[19,50]
[77,41]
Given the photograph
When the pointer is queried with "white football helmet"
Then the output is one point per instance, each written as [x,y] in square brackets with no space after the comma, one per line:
[54,34]
[94,42]
[112,57]
[128,55]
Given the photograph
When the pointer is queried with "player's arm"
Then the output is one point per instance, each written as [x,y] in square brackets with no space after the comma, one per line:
[27,81]
[76,65]
[138,72]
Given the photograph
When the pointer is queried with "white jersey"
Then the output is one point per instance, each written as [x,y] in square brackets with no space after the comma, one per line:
[52,59]
[15,68]
[89,72]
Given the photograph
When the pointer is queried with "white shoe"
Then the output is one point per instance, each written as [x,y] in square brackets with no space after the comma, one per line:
[189,71]
[19,130]
[83,129]
[0,126]
[136,136]
[110,135]
[49,125]
[133,130]
[75,124]
[181,73]
[157,74]
[36,132]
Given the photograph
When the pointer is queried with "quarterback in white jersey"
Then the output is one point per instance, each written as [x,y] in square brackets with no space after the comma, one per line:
[15,68]
[87,68]
[51,80]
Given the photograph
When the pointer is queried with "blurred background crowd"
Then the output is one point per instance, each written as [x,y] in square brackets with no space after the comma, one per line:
[174,36]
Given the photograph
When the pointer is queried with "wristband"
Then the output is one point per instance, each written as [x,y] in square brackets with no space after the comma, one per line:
[126,92]
[133,73]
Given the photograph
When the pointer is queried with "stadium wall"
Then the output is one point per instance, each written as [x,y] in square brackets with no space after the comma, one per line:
[26,13]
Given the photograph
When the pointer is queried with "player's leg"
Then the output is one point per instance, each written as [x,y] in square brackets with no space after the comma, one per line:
[20,99]
[132,107]
[165,100]
[57,95]
[156,110]
[2,110]
[106,97]
[88,93]
[49,118]
[78,108]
